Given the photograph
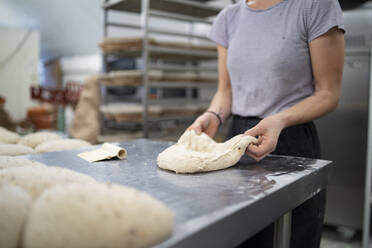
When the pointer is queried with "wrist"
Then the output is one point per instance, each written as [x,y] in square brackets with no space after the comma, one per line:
[215,115]
[281,120]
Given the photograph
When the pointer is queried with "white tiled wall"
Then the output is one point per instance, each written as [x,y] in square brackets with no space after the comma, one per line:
[18,69]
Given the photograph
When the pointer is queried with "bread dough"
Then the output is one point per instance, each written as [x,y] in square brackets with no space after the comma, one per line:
[96,215]
[8,137]
[35,179]
[61,145]
[199,153]
[10,162]
[14,206]
[34,139]
[15,150]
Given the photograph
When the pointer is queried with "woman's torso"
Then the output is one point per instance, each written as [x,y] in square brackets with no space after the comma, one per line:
[268,56]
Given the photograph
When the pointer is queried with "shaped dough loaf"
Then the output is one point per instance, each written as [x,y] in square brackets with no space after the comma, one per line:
[35,179]
[34,139]
[199,153]
[11,162]
[8,137]
[61,145]
[15,150]
[14,206]
[96,215]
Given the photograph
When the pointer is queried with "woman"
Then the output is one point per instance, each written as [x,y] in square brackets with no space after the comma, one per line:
[280,67]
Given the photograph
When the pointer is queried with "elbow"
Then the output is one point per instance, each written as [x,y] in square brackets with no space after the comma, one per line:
[333,106]
[328,99]
[332,100]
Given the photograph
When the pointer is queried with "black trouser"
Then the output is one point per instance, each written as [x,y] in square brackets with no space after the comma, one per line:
[307,219]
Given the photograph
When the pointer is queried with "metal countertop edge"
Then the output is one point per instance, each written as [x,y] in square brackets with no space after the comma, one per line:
[227,233]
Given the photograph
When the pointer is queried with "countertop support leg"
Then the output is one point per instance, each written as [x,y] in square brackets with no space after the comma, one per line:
[282,231]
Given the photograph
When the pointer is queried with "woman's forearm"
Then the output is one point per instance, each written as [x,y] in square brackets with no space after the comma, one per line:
[270,127]
[221,103]
[311,108]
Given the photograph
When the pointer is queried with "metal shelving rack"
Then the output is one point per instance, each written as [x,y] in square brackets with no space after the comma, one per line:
[178,10]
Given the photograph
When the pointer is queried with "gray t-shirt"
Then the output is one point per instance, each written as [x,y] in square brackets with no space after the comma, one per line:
[268,51]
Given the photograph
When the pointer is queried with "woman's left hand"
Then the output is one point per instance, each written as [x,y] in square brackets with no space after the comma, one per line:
[267,131]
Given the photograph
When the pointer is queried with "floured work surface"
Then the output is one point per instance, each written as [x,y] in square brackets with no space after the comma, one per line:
[244,198]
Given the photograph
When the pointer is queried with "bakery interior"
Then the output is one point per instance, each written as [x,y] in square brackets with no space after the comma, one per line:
[92,91]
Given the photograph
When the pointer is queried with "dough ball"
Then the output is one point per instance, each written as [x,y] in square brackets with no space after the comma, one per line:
[34,139]
[8,137]
[199,153]
[15,150]
[11,162]
[36,179]
[14,206]
[96,215]
[61,145]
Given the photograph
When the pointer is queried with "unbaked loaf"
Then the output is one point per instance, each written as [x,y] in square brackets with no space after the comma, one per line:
[61,145]
[36,179]
[15,150]
[8,137]
[14,207]
[11,162]
[96,215]
[34,139]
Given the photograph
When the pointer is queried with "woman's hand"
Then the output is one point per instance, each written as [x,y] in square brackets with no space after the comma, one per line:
[267,131]
[207,123]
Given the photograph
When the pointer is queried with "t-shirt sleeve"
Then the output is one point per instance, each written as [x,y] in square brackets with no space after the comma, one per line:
[218,32]
[323,15]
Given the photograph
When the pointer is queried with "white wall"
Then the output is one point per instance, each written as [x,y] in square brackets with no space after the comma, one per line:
[20,71]
[79,68]
[67,27]
[70,27]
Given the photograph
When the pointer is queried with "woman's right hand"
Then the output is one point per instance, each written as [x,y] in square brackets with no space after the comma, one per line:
[207,123]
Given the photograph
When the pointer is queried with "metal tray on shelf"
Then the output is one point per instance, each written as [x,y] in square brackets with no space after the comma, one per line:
[132,47]
[168,79]
[113,44]
[169,53]
[173,6]
[133,112]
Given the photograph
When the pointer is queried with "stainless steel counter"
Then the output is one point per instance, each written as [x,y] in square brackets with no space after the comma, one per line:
[216,209]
